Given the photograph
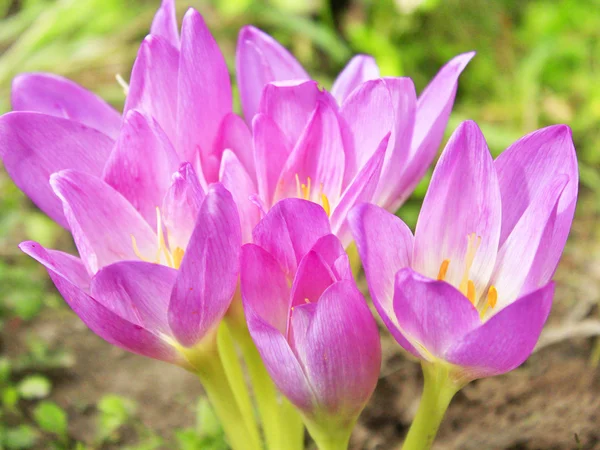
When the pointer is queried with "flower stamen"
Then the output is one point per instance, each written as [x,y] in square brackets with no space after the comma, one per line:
[490,301]
[443,270]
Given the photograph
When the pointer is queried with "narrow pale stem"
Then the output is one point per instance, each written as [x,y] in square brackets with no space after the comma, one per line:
[282,424]
[438,390]
[329,436]
[235,376]
[213,376]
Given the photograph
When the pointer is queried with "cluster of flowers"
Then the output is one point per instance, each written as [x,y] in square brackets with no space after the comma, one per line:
[183,214]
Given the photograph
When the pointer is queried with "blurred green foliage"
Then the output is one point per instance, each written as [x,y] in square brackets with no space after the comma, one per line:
[538,63]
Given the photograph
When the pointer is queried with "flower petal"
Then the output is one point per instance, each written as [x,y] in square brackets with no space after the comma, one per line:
[463,198]
[136,291]
[204,89]
[317,159]
[311,280]
[153,83]
[33,146]
[431,314]
[164,23]
[271,151]
[385,245]
[359,69]
[235,178]
[181,205]
[260,59]
[207,278]
[108,325]
[57,96]
[360,190]
[517,256]
[506,340]
[530,165]
[101,220]
[330,250]
[235,136]
[343,351]
[289,231]
[433,109]
[141,164]
[265,290]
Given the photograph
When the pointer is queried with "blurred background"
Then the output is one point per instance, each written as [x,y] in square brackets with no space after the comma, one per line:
[537,63]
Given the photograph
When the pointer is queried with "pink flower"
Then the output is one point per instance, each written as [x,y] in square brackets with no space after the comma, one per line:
[306,316]
[472,287]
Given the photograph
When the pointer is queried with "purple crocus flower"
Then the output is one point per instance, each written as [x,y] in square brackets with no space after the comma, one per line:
[472,287]
[370,139]
[307,318]
[163,309]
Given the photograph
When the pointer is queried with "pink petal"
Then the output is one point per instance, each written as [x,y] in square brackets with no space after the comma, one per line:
[108,325]
[531,165]
[57,96]
[463,198]
[164,23]
[289,231]
[271,151]
[235,179]
[432,315]
[506,340]
[181,205]
[153,84]
[102,220]
[235,136]
[318,155]
[260,59]
[311,280]
[433,109]
[359,69]
[141,164]
[204,89]
[207,278]
[332,253]
[33,146]
[385,245]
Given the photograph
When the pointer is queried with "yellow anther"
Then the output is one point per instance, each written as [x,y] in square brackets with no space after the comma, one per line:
[306,300]
[172,260]
[471,291]
[177,257]
[473,242]
[490,301]
[325,202]
[443,270]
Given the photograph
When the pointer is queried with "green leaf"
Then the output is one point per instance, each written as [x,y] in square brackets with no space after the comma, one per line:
[115,411]
[34,387]
[22,437]
[51,418]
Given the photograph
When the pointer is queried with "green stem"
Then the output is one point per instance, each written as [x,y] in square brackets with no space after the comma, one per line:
[212,374]
[235,376]
[438,390]
[329,436]
[282,424]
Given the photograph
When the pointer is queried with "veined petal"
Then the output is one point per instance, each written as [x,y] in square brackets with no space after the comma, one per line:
[404,98]
[153,84]
[330,250]
[529,166]
[204,89]
[111,327]
[461,214]
[265,290]
[34,145]
[369,116]
[311,280]
[318,156]
[164,23]
[385,245]
[290,105]
[235,136]
[136,291]
[207,278]
[101,220]
[181,205]
[343,351]
[360,190]
[431,314]
[433,109]
[289,231]
[359,69]
[506,340]
[517,256]
[260,59]
[141,164]
[235,178]
[57,96]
